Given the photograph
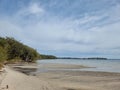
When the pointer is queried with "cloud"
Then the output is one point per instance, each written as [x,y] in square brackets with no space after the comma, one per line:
[7,28]
[31,10]
[35,9]
[93,33]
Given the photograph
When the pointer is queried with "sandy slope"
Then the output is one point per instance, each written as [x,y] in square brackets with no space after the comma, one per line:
[19,81]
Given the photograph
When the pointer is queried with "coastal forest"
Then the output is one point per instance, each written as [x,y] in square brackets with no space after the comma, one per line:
[12,50]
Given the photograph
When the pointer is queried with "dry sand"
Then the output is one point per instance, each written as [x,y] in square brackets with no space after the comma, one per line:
[59,79]
[14,80]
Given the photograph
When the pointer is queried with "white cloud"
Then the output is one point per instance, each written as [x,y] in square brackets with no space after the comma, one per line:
[59,37]
[33,9]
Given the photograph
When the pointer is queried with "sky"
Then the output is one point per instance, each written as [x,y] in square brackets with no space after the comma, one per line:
[65,28]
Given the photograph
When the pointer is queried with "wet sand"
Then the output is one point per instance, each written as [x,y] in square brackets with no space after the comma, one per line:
[79,80]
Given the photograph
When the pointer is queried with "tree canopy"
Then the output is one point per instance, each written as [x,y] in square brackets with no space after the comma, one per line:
[11,49]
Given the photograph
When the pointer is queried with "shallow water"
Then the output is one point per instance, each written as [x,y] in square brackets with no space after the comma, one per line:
[99,65]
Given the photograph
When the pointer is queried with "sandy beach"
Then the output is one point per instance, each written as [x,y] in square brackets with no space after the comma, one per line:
[14,80]
[19,78]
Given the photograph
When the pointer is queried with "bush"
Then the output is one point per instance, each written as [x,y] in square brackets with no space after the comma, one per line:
[3,54]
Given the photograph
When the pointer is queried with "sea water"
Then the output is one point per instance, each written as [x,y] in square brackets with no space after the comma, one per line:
[96,65]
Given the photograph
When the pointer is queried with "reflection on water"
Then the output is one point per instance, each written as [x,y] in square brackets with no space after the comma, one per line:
[101,65]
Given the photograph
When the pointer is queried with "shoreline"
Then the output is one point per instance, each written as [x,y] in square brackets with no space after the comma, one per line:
[58,79]
[80,80]
[33,67]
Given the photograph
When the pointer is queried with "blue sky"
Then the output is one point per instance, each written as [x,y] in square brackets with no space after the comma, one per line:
[75,28]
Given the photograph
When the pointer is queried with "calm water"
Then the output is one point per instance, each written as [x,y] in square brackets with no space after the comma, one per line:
[100,65]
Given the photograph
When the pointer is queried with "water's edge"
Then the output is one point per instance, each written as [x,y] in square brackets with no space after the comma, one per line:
[100,65]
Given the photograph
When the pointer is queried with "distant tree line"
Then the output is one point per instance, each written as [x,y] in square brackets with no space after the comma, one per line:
[91,58]
[13,50]
[48,56]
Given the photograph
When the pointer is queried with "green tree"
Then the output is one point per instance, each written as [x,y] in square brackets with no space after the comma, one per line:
[3,54]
